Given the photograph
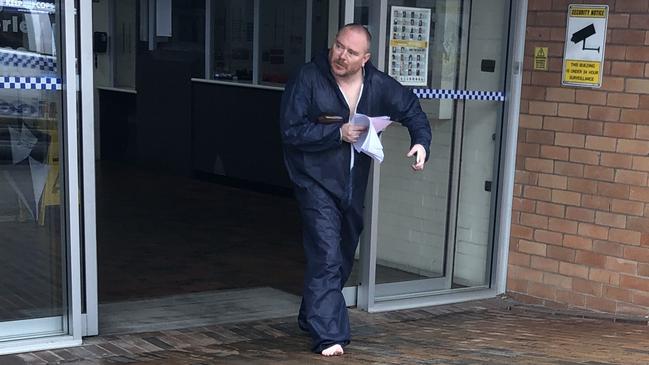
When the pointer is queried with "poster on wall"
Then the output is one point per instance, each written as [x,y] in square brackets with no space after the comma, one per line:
[584,46]
[409,34]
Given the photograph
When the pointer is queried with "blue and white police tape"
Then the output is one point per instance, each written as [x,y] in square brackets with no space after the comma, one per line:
[30,82]
[459,94]
[43,63]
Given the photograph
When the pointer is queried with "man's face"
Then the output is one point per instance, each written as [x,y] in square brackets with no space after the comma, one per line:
[348,53]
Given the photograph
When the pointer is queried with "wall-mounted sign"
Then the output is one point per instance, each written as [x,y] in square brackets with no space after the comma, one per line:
[409,35]
[584,48]
[541,58]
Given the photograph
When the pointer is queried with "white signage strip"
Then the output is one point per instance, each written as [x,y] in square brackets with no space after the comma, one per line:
[584,46]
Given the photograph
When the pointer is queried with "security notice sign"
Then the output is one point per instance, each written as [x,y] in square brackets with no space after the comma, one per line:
[584,48]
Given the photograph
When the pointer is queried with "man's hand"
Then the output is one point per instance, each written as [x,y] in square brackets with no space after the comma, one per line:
[420,152]
[350,132]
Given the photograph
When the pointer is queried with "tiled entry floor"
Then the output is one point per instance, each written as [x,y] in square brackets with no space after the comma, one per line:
[196,309]
[484,332]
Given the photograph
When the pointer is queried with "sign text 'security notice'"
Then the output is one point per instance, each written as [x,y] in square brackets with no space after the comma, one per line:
[584,48]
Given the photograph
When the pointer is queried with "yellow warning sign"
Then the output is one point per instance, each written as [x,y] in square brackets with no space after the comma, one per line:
[588,12]
[541,58]
[582,72]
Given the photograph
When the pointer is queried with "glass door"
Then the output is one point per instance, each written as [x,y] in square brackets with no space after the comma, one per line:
[39,267]
[433,231]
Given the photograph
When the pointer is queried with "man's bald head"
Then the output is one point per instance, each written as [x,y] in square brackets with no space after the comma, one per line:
[356,27]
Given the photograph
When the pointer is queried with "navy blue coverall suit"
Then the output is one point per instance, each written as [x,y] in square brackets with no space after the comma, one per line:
[329,195]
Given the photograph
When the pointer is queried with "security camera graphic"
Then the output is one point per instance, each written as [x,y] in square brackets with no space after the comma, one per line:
[581,36]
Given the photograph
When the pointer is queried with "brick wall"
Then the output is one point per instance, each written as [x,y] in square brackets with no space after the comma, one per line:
[580,226]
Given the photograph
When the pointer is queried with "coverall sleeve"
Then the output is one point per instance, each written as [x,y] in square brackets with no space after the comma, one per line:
[298,131]
[408,112]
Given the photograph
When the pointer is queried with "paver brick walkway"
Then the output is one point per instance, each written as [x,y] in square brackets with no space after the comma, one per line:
[483,332]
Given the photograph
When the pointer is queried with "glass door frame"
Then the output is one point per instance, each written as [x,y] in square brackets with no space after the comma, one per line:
[72,317]
[368,290]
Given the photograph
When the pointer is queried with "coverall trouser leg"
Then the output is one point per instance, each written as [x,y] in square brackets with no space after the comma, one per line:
[330,238]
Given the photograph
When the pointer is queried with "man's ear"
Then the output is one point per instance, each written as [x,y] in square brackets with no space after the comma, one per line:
[366,58]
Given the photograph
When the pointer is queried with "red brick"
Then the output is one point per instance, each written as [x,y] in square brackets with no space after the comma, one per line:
[557,124]
[573,111]
[627,69]
[582,185]
[524,205]
[640,254]
[631,177]
[562,94]
[571,298]
[593,231]
[600,304]
[588,127]
[519,259]
[616,160]
[554,152]
[624,236]
[562,225]
[638,116]
[613,83]
[543,108]
[584,156]
[580,214]
[556,280]
[614,293]
[539,34]
[637,54]
[615,52]
[542,137]
[534,92]
[610,219]
[561,253]
[539,5]
[544,264]
[638,21]
[624,36]
[640,299]
[569,139]
[639,86]
[528,149]
[523,273]
[541,290]
[541,165]
[596,201]
[549,209]
[599,173]
[546,78]
[642,132]
[552,238]
[604,276]
[577,242]
[627,207]
[522,232]
[644,99]
[643,270]
[640,163]
[566,197]
[536,193]
[633,147]
[573,270]
[619,130]
[568,169]
[601,143]
[618,21]
[639,193]
[553,181]
[534,220]
[530,121]
[631,6]
[516,285]
[632,282]
[620,265]
[639,224]
[587,286]
[623,100]
[608,248]
[604,113]
[613,190]
[591,97]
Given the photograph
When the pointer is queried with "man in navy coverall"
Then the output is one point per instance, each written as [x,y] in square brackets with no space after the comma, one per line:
[330,177]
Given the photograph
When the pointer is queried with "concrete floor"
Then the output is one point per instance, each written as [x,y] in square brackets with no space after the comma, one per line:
[484,332]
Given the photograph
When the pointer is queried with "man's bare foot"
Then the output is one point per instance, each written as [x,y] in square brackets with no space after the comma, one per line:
[335,350]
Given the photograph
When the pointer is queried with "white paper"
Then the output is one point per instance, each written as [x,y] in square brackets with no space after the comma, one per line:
[369,142]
